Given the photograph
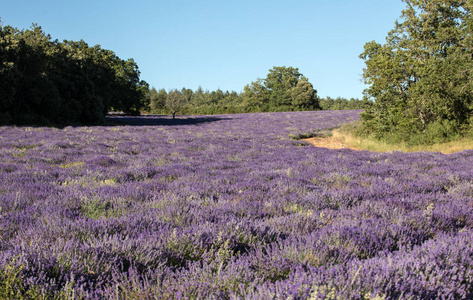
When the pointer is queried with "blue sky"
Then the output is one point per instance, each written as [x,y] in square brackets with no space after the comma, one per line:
[222,44]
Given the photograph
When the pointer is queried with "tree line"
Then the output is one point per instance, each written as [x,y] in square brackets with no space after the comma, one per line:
[44,81]
[205,102]
[283,89]
[339,103]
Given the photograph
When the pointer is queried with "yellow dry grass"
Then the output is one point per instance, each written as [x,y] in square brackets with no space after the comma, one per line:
[329,142]
[350,141]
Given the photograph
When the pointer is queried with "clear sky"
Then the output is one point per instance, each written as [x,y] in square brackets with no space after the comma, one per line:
[222,44]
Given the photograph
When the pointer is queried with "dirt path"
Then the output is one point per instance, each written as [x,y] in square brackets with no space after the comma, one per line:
[328,142]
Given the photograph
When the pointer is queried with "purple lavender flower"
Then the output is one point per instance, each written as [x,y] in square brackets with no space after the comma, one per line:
[229,207]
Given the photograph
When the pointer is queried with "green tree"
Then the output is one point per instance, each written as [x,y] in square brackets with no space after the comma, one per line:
[304,96]
[279,82]
[256,96]
[157,100]
[128,85]
[74,74]
[45,81]
[9,72]
[421,78]
[198,97]
[280,91]
[340,103]
[175,102]
[30,94]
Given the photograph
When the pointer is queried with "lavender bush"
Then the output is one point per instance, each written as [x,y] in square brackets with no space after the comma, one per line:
[229,207]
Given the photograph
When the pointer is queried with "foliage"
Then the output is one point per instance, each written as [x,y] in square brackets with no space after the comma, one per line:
[175,100]
[340,103]
[303,95]
[206,102]
[186,101]
[421,79]
[283,89]
[12,286]
[44,81]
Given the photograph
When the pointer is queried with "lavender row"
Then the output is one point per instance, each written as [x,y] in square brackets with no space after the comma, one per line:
[230,207]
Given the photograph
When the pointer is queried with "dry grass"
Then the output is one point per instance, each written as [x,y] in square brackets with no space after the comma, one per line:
[328,142]
[353,142]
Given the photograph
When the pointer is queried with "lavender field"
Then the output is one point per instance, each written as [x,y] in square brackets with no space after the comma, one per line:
[229,207]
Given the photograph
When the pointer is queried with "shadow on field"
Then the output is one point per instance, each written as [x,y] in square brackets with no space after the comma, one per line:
[158,120]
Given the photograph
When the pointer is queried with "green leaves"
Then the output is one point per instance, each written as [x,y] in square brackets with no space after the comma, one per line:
[303,95]
[175,100]
[256,94]
[284,88]
[43,81]
[422,75]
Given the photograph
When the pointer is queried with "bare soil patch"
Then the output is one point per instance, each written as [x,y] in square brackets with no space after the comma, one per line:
[328,142]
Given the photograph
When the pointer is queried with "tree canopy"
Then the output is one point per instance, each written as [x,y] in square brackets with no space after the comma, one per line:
[175,100]
[44,81]
[421,79]
[284,88]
